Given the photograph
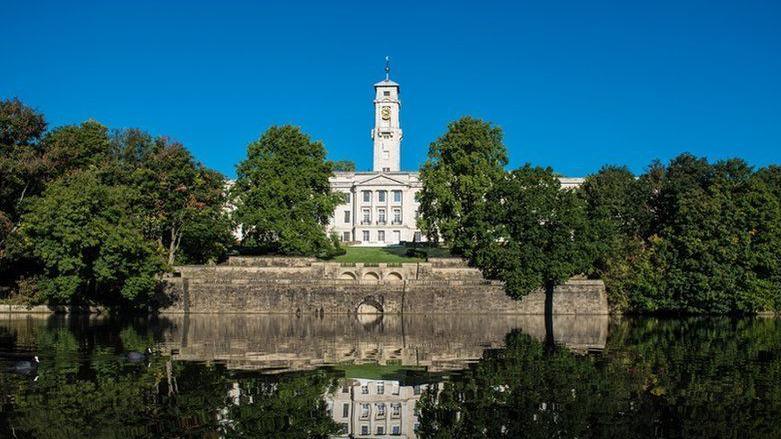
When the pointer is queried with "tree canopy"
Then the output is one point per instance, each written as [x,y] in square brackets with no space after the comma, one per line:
[344,165]
[690,237]
[86,213]
[461,168]
[90,242]
[21,163]
[282,194]
[536,237]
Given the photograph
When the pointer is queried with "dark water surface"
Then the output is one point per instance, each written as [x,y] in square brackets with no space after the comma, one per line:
[416,376]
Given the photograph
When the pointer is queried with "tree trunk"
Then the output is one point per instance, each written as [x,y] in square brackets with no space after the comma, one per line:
[550,340]
[172,247]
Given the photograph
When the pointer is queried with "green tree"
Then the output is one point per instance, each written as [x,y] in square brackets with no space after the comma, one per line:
[462,167]
[537,235]
[75,147]
[344,166]
[615,207]
[182,201]
[282,194]
[90,243]
[715,241]
[21,163]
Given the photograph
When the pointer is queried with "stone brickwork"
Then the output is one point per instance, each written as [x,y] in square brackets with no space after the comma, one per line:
[284,343]
[305,287]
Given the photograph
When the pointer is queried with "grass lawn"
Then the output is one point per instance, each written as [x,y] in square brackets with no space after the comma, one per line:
[375,371]
[376,255]
[389,255]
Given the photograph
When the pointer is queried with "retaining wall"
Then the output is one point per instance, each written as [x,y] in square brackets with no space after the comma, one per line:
[322,287]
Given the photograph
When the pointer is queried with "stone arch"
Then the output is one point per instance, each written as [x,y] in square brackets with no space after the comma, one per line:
[347,275]
[369,305]
[394,277]
[370,275]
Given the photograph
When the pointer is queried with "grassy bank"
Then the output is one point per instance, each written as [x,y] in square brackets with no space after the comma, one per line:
[390,255]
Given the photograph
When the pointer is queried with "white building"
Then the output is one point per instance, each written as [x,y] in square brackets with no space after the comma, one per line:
[379,206]
[375,408]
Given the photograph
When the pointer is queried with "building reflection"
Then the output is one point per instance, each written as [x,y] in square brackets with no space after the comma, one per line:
[376,408]
[438,343]
[384,357]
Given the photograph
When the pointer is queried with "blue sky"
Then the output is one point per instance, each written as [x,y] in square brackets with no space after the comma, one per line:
[574,85]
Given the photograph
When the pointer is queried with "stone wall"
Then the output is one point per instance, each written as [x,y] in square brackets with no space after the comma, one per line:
[323,287]
[284,343]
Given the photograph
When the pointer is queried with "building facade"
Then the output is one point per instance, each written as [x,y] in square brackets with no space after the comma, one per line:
[375,408]
[380,207]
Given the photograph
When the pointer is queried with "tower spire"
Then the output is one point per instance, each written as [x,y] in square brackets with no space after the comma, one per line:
[387,68]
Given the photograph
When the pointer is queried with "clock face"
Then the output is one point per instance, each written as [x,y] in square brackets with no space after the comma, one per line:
[385,113]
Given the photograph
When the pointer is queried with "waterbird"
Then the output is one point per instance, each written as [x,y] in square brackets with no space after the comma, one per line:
[25,367]
[136,357]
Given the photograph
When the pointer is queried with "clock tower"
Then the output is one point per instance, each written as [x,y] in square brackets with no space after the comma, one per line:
[387,130]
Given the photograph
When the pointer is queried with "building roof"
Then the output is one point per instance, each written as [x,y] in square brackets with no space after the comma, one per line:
[386,83]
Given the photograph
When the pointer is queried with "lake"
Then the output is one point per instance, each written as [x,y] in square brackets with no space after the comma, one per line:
[411,376]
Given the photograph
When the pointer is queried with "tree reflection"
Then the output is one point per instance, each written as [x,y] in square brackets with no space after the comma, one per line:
[290,406]
[655,378]
[695,378]
[93,390]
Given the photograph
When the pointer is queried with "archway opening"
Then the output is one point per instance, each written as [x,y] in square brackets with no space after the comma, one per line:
[347,275]
[393,277]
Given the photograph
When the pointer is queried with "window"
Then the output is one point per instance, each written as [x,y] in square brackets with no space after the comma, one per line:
[396,430]
[364,430]
[396,216]
[364,411]
[386,93]
[381,386]
[380,430]
[380,410]
[397,196]
[397,236]
[367,196]
[365,239]
[346,197]
[346,216]
[367,216]
[381,216]
[381,238]
[416,390]
[345,410]
[346,236]
[417,237]
[381,196]
[345,387]
[395,410]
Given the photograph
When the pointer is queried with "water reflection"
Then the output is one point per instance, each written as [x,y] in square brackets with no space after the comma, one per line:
[455,376]
[277,343]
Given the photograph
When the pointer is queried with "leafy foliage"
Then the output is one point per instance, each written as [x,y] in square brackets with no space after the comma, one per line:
[536,234]
[344,165]
[688,237]
[21,163]
[90,242]
[282,195]
[155,195]
[461,168]
[291,407]
[720,380]
[181,200]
